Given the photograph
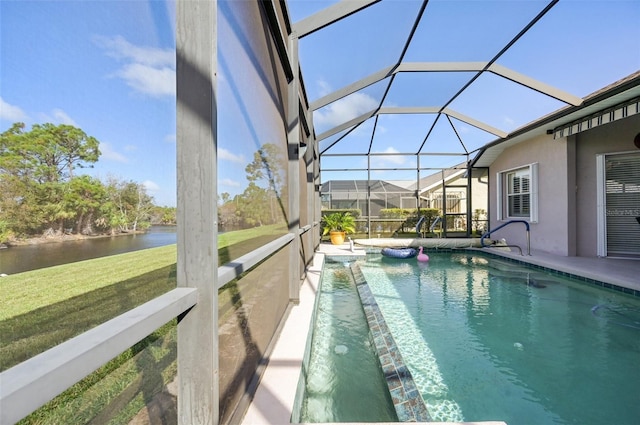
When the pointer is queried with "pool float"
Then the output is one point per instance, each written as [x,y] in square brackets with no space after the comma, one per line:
[399,252]
[422,257]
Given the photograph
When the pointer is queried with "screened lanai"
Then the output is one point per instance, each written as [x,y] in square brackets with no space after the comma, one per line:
[400,91]
[274,100]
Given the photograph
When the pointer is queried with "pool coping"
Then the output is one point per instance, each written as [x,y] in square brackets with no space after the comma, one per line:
[531,263]
[528,261]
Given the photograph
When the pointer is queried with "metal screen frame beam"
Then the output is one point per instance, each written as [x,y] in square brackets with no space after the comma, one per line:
[357,120]
[330,15]
[475,123]
[536,85]
[352,88]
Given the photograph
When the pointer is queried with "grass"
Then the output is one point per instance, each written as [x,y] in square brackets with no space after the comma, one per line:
[45,307]
[29,291]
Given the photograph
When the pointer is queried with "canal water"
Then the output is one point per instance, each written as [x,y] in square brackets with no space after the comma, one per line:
[19,259]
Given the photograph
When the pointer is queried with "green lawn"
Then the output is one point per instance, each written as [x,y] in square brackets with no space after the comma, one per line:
[42,308]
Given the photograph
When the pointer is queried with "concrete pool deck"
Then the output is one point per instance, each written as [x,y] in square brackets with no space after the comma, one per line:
[275,396]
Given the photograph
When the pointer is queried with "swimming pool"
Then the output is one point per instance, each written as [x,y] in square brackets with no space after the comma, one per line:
[487,339]
[344,382]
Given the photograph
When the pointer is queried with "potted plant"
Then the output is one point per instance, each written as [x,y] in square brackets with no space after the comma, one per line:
[337,225]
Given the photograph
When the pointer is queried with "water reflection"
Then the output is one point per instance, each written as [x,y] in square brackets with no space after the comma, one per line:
[30,257]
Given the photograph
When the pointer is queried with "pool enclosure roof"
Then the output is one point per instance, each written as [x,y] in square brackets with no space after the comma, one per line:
[427,84]
[362,186]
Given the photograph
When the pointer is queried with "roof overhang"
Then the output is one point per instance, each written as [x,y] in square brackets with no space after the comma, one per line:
[623,95]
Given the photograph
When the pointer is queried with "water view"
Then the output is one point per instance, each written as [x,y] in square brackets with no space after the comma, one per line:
[19,259]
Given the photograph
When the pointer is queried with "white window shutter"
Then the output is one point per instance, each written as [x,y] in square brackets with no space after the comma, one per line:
[534,193]
[499,195]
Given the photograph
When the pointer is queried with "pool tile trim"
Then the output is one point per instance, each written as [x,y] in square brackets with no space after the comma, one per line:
[407,401]
[580,279]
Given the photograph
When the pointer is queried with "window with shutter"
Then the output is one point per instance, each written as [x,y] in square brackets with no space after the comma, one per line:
[517,194]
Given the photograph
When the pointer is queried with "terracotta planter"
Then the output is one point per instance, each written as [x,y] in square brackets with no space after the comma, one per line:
[337,237]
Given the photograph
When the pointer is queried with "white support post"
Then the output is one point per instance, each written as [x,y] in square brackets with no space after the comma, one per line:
[197,267]
[293,143]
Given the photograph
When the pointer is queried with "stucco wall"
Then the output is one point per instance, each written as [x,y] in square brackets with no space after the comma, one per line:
[551,232]
[566,186]
[610,138]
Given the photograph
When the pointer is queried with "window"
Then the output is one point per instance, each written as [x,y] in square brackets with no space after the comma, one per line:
[517,194]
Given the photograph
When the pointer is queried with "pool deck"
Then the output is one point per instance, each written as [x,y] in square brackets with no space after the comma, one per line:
[274,398]
[620,272]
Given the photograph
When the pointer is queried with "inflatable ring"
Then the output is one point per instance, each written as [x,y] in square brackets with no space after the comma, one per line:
[399,252]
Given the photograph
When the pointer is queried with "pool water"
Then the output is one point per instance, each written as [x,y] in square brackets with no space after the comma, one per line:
[486,339]
[344,381]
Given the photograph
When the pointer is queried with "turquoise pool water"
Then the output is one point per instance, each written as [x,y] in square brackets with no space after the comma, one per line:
[491,340]
[344,381]
[484,339]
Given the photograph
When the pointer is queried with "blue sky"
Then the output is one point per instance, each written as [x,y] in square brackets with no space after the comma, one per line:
[105,67]
[579,47]
[108,67]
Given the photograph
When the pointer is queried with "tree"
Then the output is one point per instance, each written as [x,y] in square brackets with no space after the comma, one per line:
[132,204]
[268,165]
[251,206]
[225,197]
[42,193]
[47,153]
[85,197]
[266,203]
[35,170]
[18,205]
[163,215]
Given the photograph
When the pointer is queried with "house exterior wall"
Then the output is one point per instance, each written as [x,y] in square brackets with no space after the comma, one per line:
[567,210]
[551,232]
[606,139]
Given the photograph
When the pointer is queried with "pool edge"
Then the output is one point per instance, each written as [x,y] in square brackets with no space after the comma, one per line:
[407,401]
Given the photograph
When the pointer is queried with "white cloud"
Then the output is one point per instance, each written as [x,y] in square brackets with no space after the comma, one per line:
[509,122]
[225,154]
[387,161]
[11,112]
[170,138]
[61,117]
[130,148]
[323,87]
[119,48]
[229,182]
[107,152]
[149,80]
[148,70]
[344,110]
[151,186]
[399,160]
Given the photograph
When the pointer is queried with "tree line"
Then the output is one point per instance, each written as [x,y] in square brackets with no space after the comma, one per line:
[264,200]
[42,193]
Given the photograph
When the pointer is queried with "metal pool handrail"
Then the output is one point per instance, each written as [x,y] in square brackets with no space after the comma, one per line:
[435,222]
[526,223]
[419,224]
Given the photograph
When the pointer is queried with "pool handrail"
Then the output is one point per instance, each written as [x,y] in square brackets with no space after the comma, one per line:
[526,223]
[419,224]
[433,225]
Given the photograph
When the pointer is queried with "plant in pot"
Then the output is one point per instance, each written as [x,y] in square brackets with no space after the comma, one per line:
[337,225]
